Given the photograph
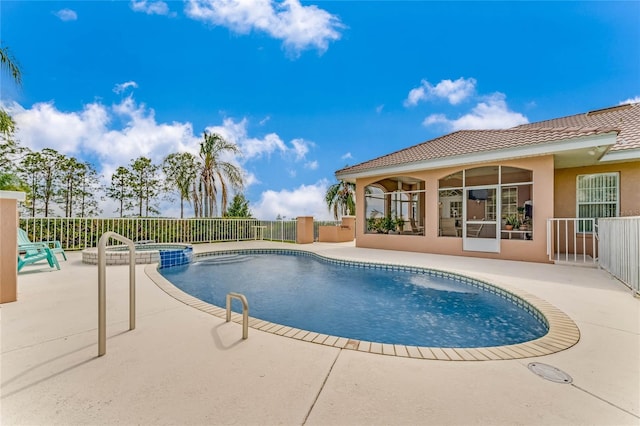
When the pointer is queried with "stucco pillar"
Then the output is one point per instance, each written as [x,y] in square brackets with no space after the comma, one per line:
[304,229]
[9,245]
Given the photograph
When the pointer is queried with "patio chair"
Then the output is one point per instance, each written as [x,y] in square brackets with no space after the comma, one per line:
[474,230]
[448,227]
[417,230]
[54,246]
[36,252]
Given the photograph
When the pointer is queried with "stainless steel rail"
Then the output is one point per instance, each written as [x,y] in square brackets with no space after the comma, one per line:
[245,312]
[102,287]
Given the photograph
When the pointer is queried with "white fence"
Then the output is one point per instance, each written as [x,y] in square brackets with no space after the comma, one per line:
[79,233]
[572,240]
[619,248]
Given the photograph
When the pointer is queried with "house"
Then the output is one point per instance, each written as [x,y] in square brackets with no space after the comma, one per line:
[457,193]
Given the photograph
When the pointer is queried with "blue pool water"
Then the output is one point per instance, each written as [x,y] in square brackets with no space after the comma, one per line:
[410,307]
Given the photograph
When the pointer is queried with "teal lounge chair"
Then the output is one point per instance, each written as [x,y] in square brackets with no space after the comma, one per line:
[36,252]
[54,246]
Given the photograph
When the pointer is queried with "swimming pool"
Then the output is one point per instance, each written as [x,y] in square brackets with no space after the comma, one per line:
[356,300]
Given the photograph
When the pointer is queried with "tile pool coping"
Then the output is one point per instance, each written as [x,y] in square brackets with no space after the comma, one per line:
[562,333]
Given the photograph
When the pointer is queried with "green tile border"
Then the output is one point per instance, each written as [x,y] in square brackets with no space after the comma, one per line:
[563,332]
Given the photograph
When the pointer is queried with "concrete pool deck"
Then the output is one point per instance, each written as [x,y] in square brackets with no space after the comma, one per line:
[184,366]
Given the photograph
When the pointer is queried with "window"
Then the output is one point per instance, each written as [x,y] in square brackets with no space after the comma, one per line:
[394,205]
[493,193]
[509,201]
[597,196]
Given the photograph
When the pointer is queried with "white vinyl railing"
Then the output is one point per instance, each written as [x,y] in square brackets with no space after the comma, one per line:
[619,248]
[572,240]
[80,233]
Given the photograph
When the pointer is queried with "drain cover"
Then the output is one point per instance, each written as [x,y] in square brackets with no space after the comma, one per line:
[549,372]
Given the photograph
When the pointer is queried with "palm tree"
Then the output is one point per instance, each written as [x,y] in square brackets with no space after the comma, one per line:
[8,148]
[341,199]
[7,61]
[216,173]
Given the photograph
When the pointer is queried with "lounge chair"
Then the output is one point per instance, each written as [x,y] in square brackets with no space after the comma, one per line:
[36,252]
[54,246]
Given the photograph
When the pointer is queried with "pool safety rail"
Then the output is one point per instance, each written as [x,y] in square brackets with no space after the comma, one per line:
[245,312]
[102,287]
[572,240]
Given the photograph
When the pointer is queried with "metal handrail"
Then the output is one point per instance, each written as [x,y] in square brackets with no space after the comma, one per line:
[102,288]
[245,312]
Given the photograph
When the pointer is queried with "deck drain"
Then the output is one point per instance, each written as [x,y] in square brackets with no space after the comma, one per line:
[549,372]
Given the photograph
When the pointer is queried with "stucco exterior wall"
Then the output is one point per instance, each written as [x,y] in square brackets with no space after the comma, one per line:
[565,187]
[528,250]
[566,202]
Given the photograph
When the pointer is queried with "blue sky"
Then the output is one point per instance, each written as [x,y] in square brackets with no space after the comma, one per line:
[303,88]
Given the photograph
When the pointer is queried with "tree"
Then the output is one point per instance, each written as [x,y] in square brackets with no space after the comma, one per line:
[145,184]
[239,207]
[8,148]
[34,171]
[7,128]
[215,172]
[79,188]
[340,198]
[9,154]
[87,188]
[181,170]
[50,163]
[7,61]
[70,170]
[11,182]
[120,189]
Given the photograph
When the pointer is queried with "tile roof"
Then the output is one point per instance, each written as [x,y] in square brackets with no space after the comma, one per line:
[623,119]
[626,118]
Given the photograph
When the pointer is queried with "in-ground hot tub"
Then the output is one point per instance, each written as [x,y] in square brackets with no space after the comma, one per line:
[164,254]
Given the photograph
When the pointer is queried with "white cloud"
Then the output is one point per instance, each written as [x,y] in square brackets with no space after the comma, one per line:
[379,109]
[347,156]
[311,165]
[454,91]
[630,101]
[255,148]
[251,148]
[416,95]
[305,200]
[493,113]
[300,148]
[265,120]
[119,88]
[299,27]
[44,126]
[151,7]
[142,135]
[87,132]
[66,15]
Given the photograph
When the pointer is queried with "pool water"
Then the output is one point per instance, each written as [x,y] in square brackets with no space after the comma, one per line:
[363,303]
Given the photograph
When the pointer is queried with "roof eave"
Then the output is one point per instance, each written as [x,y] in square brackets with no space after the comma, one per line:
[621,155]
[607,139]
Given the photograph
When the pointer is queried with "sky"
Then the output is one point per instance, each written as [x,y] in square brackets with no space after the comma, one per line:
[303,88]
